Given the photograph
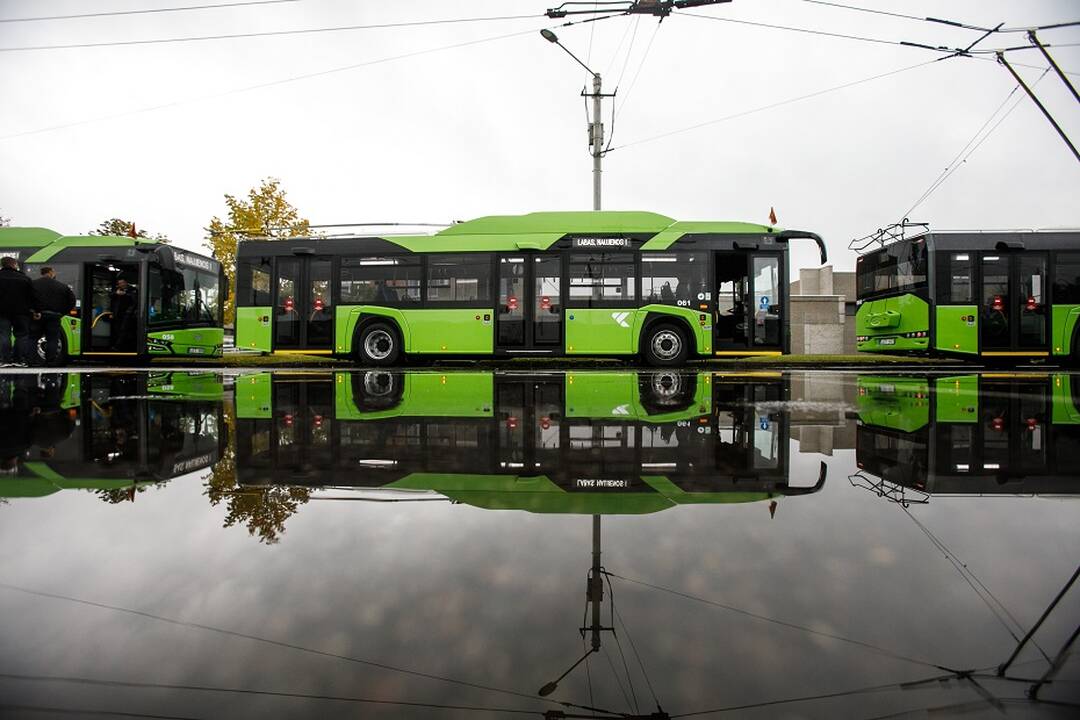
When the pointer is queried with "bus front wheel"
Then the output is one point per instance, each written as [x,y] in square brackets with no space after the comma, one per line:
[665,345]
[379,345]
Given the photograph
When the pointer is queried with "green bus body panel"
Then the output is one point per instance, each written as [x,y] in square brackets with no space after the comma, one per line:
[186,342]
[595,331]
[954,331]
[1064,410]
[187,385]
[437,331]
[254,396]
[896,403]
[538,494]
[450,331]
[23,237]
[891,318]
[673,492]
[72,392]
[1063,318]
[424,395]
[253,328]
[560,223]
[957,399]
[614,395]
[668,236]
[476,243]
[72,329]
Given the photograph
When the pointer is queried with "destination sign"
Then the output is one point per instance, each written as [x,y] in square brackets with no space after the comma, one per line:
[601,242]
[195,261]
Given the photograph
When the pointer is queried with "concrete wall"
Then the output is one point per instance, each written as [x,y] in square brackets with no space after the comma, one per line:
[823,312]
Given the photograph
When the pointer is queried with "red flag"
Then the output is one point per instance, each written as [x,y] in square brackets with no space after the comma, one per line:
[132,232]
[772,216]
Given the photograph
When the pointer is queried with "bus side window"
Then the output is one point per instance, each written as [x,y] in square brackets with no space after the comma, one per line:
[253,282]
[674,279]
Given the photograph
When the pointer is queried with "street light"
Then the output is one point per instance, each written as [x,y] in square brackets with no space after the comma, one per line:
[551,686]
[596,128]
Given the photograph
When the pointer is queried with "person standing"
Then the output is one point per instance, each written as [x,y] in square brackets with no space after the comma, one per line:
[54,300]
[17,304]
[124,300]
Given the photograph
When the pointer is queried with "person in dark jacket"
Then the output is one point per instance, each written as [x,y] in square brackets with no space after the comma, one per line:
[54,300]
[124,300]
[17,305]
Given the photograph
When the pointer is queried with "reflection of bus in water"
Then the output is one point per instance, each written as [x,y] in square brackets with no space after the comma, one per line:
[991,433]
[588,442]
[106,432]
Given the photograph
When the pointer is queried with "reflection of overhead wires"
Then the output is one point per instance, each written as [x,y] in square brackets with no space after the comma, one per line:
[270,33]
[249,691]
[1000,612]
[774,105]
[145,11]
[268,641]
[783,623]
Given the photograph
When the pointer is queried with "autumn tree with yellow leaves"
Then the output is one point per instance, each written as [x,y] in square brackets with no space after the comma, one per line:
[264,214]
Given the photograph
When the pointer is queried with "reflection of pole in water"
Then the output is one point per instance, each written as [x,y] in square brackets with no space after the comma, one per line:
[594,590]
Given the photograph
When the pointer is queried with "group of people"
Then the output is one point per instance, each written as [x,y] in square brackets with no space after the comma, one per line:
[30,310]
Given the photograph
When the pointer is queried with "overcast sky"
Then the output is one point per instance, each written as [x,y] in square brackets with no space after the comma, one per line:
[497,126]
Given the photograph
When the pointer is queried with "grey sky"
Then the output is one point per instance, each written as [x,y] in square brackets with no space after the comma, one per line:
[498,127]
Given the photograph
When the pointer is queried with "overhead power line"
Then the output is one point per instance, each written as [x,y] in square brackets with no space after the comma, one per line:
[269,33]
[772,106]
[792,28]
[147,11]
[268,84]
[942,21]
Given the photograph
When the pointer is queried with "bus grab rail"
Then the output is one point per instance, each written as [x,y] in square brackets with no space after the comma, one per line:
[786,235]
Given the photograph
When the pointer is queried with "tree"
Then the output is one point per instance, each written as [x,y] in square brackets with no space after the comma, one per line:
[264,213]
[123,228]
[4,221]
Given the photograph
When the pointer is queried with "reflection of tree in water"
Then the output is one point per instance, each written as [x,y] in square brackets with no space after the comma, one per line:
[115,496]
[263,510]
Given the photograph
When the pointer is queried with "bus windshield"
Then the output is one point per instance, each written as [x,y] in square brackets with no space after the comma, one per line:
[183,295]
[898,268]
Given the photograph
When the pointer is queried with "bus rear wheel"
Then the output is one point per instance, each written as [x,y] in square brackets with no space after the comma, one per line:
[61,352]
[379,344]
[665,345]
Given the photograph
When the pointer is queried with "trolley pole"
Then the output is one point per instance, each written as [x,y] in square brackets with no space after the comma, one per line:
[596,135]
[1001,59]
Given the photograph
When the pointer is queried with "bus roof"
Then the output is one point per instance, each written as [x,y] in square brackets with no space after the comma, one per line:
[26,237]
[540,230]
[991,240]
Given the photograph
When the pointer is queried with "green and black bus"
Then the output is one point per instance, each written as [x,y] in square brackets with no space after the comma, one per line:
[179,294]
[543,284]
[989,433]
[972,294]
[577,442]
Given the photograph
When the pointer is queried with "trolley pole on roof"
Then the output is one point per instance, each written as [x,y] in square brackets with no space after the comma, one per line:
[596,127]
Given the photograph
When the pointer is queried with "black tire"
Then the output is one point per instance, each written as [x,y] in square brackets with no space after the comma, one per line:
[61,357]
[665,345]
[378,345]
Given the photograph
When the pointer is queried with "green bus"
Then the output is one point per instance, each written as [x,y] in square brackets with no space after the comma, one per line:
[112,434]
[582,442]
[972,295]
[994,433]
[543,284]
[179,294]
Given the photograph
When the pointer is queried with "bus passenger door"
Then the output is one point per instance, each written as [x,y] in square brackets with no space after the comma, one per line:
[529,313]
[730,328]
[1014,311]
[303,312]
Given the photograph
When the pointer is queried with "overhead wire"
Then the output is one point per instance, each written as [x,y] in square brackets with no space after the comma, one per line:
[73,680]
[87,711]
[772,106]
[268,84]
[144,11]
[941,21]
[961,157]
[273,33]
[641,65]
[633,647]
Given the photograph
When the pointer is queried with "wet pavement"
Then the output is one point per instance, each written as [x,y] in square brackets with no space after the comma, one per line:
[488,544]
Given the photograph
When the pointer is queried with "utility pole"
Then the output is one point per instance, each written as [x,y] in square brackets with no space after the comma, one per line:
[596,136]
